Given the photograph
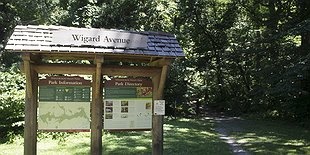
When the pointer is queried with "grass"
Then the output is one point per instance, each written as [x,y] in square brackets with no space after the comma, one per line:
[271,137]
[181,136]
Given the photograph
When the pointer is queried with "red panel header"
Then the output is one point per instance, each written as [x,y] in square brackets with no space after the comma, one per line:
[129,82]
[64,81]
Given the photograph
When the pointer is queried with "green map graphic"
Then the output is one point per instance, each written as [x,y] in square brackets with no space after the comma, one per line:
[64,115]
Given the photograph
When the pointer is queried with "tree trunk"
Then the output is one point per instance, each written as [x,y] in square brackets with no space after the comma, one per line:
[304,14]
[305,39]
[244,78]
[197,109]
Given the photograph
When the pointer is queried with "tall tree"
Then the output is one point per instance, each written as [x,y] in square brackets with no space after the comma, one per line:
[13,12]
[207,23]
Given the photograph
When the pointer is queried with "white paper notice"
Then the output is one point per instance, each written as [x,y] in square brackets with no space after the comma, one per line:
[159,107]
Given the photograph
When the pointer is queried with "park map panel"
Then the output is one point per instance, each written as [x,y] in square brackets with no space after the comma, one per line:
[64,104]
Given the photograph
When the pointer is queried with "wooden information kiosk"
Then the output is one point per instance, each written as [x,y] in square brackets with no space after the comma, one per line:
[39,44]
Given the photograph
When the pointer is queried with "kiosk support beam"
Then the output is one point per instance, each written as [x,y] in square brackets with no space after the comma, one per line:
[30,131]
[96,109]
[157,126]
[90,69]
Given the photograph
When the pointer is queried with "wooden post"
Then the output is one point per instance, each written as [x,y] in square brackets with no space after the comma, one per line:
[30,131]
[157,126]
[96,109]
[162,82]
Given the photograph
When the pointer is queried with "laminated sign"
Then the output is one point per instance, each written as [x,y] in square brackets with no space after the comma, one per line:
[64,104]
[128,104]
[159,107]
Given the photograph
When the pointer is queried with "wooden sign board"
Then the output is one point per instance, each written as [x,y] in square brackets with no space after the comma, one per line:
[128,104]
[102,38]
[64,104]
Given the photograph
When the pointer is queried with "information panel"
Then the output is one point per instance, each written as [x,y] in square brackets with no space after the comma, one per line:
[128,104]
[64,104]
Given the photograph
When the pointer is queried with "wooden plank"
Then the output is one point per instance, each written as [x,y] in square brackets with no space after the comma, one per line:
[145,71]
[77,54]
[128,57]
[90,56]
[157,126]
[36,59]
[157,147]
[135,71]
[65,69]
[96,110]
[160,62]
[30,131]
[163,78]
[34,108]
[27,70]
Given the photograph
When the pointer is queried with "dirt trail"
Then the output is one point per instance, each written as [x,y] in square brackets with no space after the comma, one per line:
[225,125]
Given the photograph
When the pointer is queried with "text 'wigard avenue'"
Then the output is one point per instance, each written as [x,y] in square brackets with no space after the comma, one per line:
[86,39]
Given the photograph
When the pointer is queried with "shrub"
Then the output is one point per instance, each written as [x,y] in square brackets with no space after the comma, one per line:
[12,94]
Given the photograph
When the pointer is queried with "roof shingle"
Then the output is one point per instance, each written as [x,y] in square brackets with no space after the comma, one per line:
[39,39]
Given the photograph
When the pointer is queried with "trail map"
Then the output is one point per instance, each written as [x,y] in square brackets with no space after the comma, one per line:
[64,115]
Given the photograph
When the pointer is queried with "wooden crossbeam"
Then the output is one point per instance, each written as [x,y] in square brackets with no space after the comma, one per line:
[131,71]
[85,69]
[160,62]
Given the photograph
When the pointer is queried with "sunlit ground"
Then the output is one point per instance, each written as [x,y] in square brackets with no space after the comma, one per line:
[272,137]
[182,136]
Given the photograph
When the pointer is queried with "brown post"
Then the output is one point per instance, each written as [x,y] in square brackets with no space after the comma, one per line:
[96,109]
[157,126]
[163,78]
[30,131]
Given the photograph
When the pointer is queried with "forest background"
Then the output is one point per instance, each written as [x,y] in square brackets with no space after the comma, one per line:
[243,57]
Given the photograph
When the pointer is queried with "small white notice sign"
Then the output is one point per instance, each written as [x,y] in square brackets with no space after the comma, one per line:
[159,107]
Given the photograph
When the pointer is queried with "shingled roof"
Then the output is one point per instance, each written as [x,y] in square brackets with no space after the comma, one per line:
[39,39]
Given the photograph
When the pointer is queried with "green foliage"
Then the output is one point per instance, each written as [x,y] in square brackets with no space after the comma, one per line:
[14,12]
[62,137]
[158,15]
[81,13]
[207,25]
[121,14]
[248,57]
[11,103]
[176,89]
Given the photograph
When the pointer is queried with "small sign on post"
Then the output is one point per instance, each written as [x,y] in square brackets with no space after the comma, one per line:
[159,107]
